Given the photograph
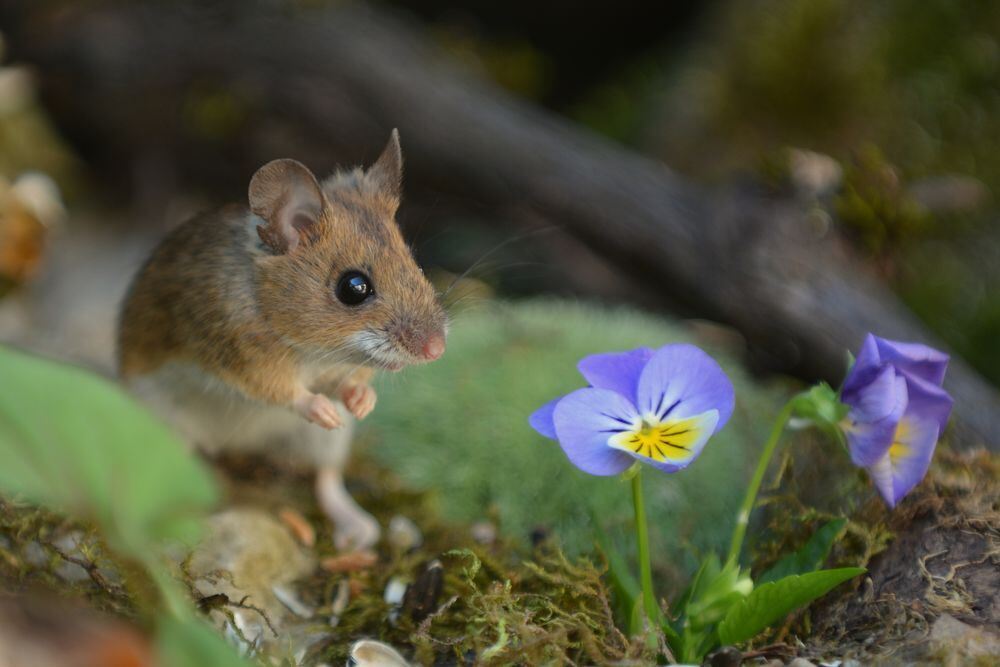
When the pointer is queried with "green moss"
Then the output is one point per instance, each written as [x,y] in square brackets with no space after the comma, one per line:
[459,428]
[503,603]
[32,559]
[874,206]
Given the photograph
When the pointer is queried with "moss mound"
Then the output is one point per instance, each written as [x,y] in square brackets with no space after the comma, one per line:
[458,427]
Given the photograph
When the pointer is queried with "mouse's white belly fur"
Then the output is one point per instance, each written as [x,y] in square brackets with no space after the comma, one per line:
[213,417]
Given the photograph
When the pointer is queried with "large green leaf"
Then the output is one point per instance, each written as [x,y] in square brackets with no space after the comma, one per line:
[776,599]
[74,442]
[810,557]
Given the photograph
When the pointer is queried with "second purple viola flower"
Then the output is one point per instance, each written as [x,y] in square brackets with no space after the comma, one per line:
[897,412]
[659,407]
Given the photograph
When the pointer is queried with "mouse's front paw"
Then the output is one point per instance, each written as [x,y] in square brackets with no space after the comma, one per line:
[359,399]
[319,409]
[356,531]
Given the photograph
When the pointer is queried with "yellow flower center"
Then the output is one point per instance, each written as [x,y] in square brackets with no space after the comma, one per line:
[900,447]
[663,441]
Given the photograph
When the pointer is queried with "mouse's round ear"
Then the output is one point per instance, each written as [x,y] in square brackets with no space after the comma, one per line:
[387,172]
[285,194]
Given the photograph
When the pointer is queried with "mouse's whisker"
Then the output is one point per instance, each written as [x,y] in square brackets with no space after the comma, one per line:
[503,244]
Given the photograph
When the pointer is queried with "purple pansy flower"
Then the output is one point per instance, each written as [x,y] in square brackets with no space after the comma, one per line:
[897,411]
[656,407]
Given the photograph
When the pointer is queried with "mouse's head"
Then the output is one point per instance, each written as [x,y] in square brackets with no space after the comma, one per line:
[334,276]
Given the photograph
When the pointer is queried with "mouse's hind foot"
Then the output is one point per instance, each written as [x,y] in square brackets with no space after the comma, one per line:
[354,528]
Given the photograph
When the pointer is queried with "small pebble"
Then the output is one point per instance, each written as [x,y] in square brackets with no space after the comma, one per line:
[421,599]
[300,527]
[484,532]
[726,656]
[35,555]
[67,571]
[403,534]
[800,662]
[395,591]
[254,548]
[814,174]
[369,653]
[350,562]
[290,599]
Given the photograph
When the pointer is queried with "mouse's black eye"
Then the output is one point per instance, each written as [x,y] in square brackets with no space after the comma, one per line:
[353,288]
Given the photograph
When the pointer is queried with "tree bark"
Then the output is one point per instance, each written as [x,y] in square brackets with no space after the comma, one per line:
[204,96]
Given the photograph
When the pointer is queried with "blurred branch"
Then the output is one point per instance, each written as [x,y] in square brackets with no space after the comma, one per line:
[204,96]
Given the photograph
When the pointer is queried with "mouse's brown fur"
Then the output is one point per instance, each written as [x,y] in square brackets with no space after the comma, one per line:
[195,300]
[211,295]
[245,300]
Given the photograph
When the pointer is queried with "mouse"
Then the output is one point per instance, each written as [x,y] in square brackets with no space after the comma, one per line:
[258,327]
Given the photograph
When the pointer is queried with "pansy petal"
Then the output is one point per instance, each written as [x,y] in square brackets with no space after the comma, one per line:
[671,445]
[617,371]
[881,473]
[907,460]
[914,359]
[869,442]
[541,419]
[928,401]
[585,420]
[911,453]
[866,366]
[876,400]
[681,380]
[872,423]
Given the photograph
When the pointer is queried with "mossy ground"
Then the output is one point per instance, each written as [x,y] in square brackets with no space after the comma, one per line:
[497,604]
[451,446]
[513,603]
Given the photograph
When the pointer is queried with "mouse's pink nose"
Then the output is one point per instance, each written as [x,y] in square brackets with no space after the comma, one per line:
[433,347]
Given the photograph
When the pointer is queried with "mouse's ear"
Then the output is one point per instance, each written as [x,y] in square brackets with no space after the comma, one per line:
[286,195]
[387,172]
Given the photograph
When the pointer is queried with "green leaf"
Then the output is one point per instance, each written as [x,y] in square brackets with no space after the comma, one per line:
[707,572]
[636,618]
[718,588]
[775,600]
[76,443]
[189,642]
[810,557]
[821,405]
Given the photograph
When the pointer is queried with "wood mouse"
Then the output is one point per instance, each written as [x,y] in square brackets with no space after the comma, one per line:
[259,328]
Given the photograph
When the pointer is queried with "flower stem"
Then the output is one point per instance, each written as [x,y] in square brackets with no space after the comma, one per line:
[642,533]
[743,518]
